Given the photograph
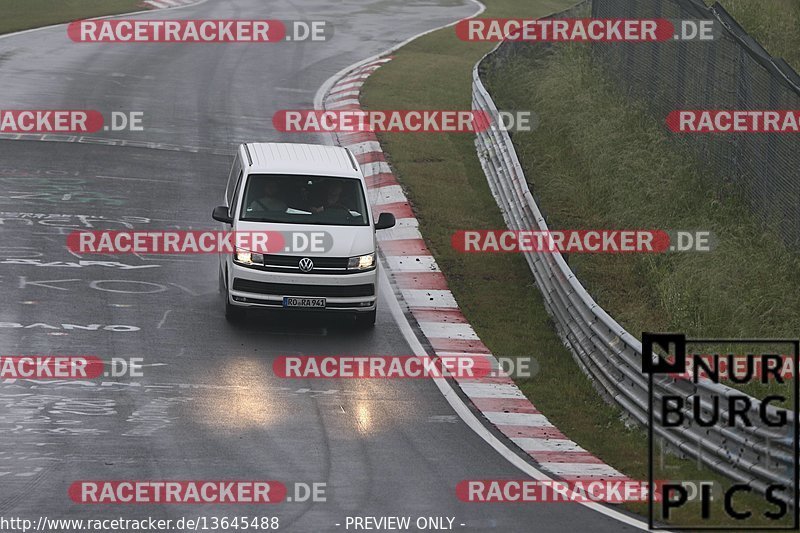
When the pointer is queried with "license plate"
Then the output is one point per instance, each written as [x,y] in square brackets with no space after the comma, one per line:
[291,301]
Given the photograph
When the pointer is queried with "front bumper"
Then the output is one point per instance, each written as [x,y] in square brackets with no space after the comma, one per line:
[249,287]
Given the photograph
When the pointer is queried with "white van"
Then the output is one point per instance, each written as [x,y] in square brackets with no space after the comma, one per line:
[309,189]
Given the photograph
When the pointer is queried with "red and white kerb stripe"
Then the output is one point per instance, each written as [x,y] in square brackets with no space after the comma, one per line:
[425,291]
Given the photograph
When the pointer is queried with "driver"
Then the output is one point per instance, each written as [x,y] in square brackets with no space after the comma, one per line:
[332,200]
[270,199]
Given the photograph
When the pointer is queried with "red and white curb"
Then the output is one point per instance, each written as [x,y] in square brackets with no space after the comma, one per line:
[425,292]
[167,4]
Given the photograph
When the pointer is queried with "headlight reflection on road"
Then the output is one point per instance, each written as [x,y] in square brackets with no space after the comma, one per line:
[245,402]
[363,417]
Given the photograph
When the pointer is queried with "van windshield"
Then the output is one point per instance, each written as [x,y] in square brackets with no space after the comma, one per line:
[304,200]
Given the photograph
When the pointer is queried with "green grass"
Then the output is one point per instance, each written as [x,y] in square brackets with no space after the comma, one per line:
[773,23]
[448,191]
[609,164]
[25,14]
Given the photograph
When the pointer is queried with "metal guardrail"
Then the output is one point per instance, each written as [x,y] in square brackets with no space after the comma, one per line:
[610,355]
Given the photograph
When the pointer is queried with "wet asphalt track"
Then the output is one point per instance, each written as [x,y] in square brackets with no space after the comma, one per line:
[208,406]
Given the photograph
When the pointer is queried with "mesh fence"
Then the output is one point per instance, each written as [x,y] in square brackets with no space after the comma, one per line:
[731,72]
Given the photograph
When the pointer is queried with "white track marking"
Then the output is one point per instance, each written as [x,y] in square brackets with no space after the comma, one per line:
[445,330]
[429,298]
[412,263]
[493,390]
[399,232]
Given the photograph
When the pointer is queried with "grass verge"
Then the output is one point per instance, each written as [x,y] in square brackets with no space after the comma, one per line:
[26,14]
[773,23]
[609,164]
[446,186]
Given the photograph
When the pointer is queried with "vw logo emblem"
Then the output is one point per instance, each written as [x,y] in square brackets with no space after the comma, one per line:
[306,265]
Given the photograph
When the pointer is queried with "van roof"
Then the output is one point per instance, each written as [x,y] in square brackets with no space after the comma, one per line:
[297,158]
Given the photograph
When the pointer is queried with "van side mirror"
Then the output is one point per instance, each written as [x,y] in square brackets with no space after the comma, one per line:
[385,221]
[221,214]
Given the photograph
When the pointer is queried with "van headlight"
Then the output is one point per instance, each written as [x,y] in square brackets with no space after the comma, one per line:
[246,257]
[361,262]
